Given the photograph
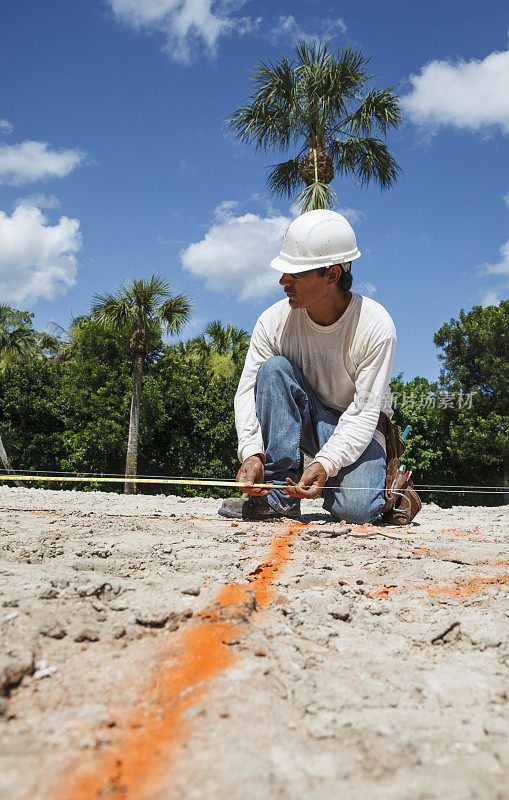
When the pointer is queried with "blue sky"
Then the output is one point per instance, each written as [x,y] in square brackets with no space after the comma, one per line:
[115,159]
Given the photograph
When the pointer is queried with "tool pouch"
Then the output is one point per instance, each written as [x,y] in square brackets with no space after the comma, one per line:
[401,505]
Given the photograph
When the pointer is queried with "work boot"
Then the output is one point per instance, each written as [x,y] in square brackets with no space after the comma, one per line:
[255,508]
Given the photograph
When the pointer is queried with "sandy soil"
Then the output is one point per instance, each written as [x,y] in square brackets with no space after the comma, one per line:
[151,649]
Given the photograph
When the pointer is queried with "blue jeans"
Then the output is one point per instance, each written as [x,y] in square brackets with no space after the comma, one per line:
[291,420]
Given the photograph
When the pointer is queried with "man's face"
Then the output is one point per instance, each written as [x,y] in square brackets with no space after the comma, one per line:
[308,290]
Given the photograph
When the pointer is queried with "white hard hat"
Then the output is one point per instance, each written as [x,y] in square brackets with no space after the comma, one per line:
[316,239]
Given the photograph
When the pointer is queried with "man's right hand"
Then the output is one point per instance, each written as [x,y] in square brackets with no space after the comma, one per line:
[252,471]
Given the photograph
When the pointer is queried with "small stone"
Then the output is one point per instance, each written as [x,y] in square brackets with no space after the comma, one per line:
[340,610]
[152,617]
[87,635]
[43,670]
[450,634]
[48,594]
[194,590]
[14,664]
[11,616]
[260,652]
[119,605]
[341,531]
[54,631]
[10,603]
[118,631]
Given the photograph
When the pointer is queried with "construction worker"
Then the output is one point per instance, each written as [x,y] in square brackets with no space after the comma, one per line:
[315,379]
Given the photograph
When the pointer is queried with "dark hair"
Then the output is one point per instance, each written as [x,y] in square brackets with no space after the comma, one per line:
[345,279]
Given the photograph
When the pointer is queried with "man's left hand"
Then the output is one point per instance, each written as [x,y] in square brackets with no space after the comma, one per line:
[311,483]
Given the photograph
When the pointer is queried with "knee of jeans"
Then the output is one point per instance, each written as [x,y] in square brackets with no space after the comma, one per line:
[355,507]
[273,366]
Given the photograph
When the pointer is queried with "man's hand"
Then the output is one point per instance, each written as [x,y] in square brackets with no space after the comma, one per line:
[252,471]
[311,483]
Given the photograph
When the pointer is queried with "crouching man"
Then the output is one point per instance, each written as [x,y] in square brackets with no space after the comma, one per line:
[315,379]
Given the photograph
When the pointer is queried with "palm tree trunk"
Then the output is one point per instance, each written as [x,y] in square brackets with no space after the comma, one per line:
[7,464]
[506,470]
[134,424]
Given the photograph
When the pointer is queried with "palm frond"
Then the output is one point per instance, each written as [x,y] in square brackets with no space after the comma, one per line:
[219,335]
[18,344]
[368,159]
[275,83]
[379,109]
[316,195]
[174,313]
[47,341]
[199,347]
[283,178]
[113,310]
[265,125]
[329,82]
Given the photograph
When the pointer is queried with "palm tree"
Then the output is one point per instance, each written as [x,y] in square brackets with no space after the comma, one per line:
[319,101]
[143,310]
[221,348]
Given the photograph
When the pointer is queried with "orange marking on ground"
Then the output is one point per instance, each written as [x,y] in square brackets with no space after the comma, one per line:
[459,589]
[467,588]
[135,765]
[383,592]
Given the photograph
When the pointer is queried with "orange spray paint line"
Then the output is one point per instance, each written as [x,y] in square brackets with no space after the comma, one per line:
[135,766]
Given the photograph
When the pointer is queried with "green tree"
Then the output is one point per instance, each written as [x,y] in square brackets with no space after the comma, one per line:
[221,349]
[320,103]
[429,428]
[31,418]
[476,355]
[19,343]
[475,362]
[142,310]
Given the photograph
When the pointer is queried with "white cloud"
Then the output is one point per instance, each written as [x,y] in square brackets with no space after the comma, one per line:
[502,267]
[5,126]
[186,24]
[491,298]
[367,288]
[34,161]
[233,256]
[467,94]
[36,259]
[288,29]
[353,215]
[40,200]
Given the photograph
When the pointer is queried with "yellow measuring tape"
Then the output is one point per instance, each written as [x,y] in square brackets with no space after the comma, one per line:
[134,479]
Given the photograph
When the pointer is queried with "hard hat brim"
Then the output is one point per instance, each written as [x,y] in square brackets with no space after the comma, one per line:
[289,265]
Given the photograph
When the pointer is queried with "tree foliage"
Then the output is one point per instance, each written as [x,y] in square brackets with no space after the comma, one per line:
[320,103]
[73,414]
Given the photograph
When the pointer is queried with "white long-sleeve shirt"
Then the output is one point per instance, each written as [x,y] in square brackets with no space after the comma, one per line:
[348,365]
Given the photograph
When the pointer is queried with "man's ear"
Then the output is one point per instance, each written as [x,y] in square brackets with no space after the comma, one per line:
[334,273]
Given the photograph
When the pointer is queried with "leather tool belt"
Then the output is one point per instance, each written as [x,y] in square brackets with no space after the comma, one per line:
[401,505]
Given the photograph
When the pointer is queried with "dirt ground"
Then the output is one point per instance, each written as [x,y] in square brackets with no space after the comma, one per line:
[152,649]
